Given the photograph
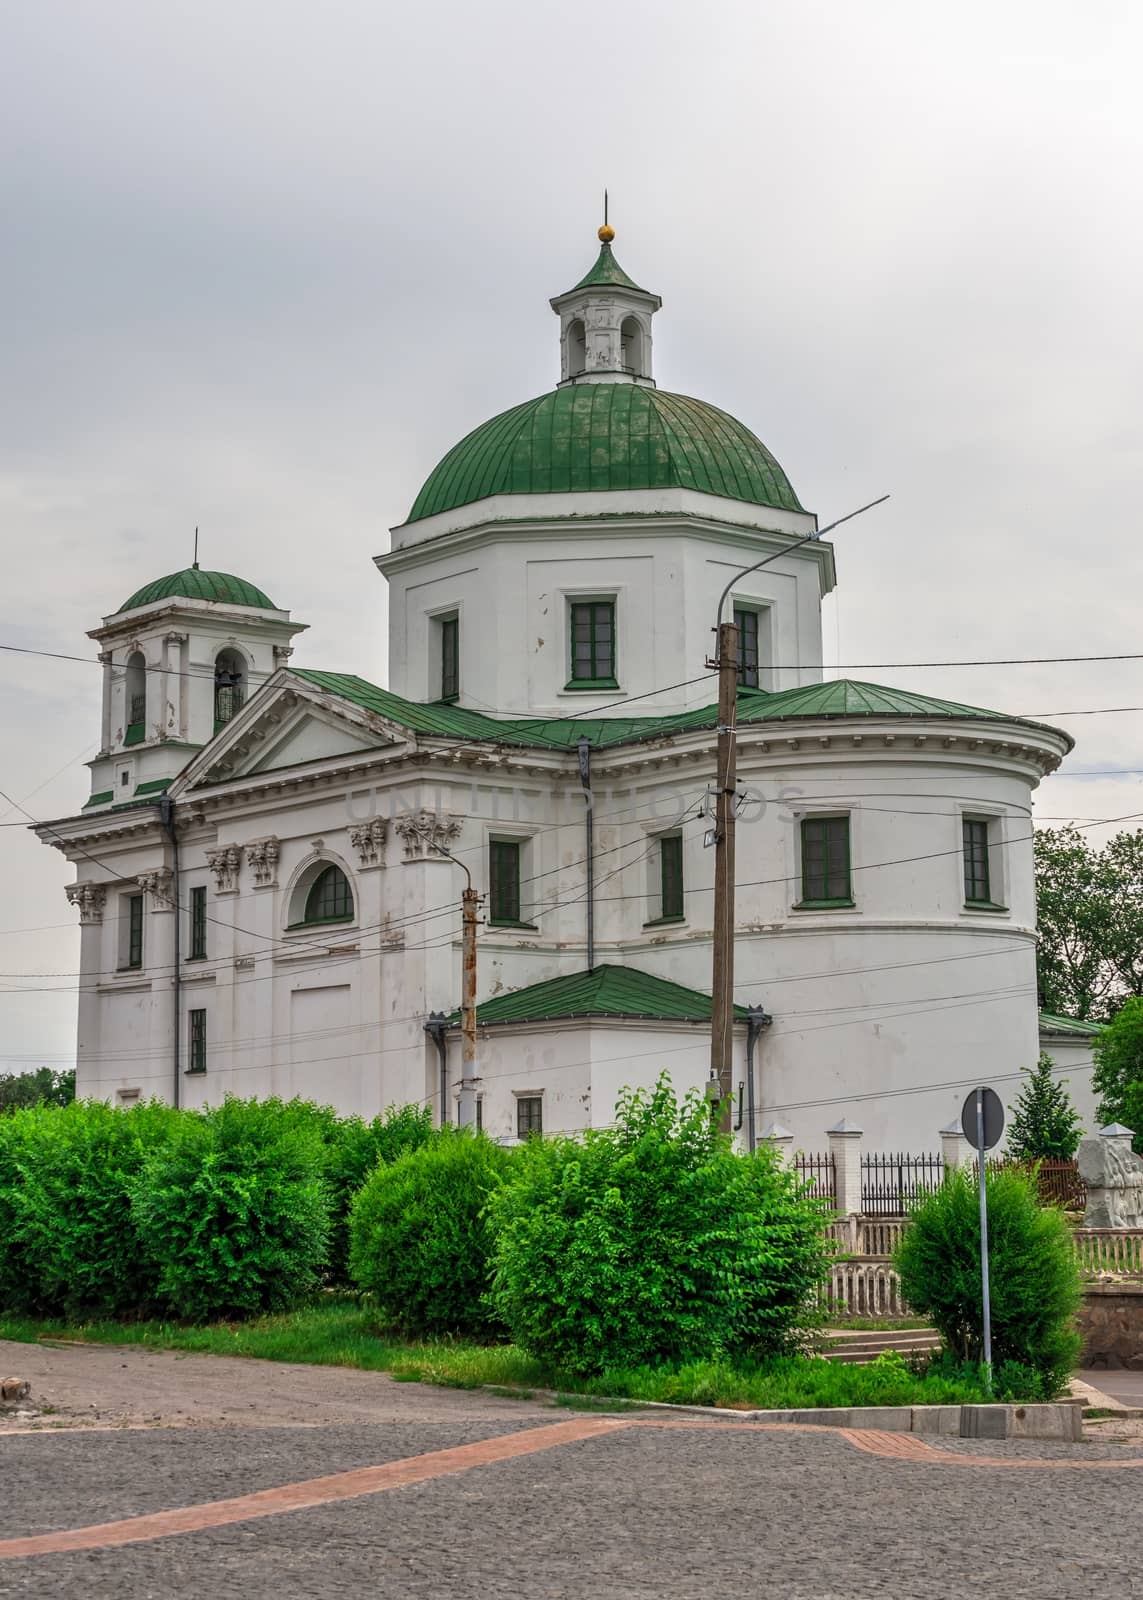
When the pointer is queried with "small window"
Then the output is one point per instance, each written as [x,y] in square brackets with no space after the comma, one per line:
[480,1113]
[671,875]
[747,624]
[136,690]
[503,881]
[825,861]
[330,898]
[631,346]
[593,644]
[134,930]
[196,1055]
[977,884]
[197,924]
[450,658]
[577,348]
[529,1115]
[229,686]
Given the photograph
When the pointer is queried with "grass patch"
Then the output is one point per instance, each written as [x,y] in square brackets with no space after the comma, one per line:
[341,1331]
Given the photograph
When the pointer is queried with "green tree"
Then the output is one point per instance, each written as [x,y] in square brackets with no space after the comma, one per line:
[1045,1125]
[1089,911]
[1033,1276]
[1118,1075]
[42,1087]
[653,1242]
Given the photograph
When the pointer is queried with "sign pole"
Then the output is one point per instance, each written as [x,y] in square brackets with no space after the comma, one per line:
[987,1307]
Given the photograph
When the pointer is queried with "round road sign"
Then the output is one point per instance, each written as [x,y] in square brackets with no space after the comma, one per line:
[993,1118]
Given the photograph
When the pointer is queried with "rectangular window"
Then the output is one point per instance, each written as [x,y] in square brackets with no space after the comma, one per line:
[747,624]
[529,1115]
[480,1113]
[450,658]
[671,875]
[593,644]
[825,861]
[197,924]
[977,887]
[196,1054]
[134,930]
[503,881]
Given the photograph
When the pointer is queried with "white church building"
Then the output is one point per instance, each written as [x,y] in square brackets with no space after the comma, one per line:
[265,901]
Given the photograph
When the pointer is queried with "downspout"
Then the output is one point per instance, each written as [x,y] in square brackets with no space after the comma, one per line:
[583,749]
[435,1028]
[756,1020]
[167,818]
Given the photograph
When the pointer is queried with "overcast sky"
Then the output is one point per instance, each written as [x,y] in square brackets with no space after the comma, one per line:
[265,261]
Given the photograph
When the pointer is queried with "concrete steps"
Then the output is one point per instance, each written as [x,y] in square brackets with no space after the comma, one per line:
[857,1346]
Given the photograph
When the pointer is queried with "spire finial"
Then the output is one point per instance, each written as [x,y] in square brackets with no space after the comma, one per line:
[194,563]
[607,232]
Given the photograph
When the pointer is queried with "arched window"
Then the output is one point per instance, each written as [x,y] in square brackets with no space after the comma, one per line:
[577,348]
[136,699]
[631,346]
[330,898]
[229,686]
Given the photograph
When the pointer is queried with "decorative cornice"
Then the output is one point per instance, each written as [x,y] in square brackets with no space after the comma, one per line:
[426,833]
[368,839]
[262,858]
[157,885]
[89,898]
[226,864]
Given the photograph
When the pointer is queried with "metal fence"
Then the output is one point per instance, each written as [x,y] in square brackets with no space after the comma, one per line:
[889,1183]
[819,1171]
[1058,1182]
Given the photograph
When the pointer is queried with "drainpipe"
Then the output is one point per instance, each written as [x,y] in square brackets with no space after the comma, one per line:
[435,1028]
[756,1020]
[583,749]
[167,819]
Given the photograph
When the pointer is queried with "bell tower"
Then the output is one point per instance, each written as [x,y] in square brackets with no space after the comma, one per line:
[605,324]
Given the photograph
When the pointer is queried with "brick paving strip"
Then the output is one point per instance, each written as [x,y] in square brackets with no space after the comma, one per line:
[461,1458]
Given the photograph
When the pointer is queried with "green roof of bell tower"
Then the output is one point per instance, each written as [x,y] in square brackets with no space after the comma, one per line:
[194,584]
[607,272]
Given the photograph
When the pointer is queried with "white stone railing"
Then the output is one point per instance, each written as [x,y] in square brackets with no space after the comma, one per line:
[866,1288]
[1117,1250]
[868,1236]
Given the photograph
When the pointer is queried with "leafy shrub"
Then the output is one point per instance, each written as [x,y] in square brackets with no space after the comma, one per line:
[66,1178]
[234,1210]
[40,1087]
[1035,1287]
[1118,1075]
[652,1242]
[419,1238]
[1045,1126]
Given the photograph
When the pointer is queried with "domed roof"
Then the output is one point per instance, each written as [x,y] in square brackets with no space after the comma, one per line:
[194,584]
[600,436]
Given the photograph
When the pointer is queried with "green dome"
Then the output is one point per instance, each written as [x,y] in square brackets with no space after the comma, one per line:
[194,584]
[600,436]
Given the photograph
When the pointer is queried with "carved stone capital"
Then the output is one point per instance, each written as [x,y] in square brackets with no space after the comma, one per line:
[225,863]
[368,839]
[262,858]
[157,885]
[426,832]
[89,899]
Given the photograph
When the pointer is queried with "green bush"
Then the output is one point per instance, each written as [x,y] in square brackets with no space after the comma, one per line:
[66,1179]
[652,1243]
[419,1238]
[1044,1125]
[234,1210]
[1035,1286]
[1118,1075]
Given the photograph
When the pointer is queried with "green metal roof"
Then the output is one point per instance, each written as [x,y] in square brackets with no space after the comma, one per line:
[607,272]
[607,436]
[840,698]
[603,992]
[194,584]
[1050,1023]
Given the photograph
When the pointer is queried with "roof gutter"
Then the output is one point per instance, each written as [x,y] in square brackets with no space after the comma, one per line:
[756,1020]
[435,1028]
[583,751]
[167,819]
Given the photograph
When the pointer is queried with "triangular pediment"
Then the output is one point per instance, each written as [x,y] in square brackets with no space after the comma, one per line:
[288,725]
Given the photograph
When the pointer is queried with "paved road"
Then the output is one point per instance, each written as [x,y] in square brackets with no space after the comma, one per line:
[1120,1385]
[622,1508]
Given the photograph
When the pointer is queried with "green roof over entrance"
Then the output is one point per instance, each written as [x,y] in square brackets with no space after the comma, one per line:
[588,437]
[194,584]
[1049,1023]
[603,992]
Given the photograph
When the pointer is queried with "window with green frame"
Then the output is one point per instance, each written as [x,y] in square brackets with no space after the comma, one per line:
[503,880]
[197,924]
[134,930]
[825,861]
[196,1041]
[671,876]
[747,624]
[592,629]
[450,658]
[330,898]
[977,877]
[529,1115]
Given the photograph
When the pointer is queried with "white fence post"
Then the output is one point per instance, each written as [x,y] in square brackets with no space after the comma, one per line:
[845,1148]
[782,1140]
[956,1152]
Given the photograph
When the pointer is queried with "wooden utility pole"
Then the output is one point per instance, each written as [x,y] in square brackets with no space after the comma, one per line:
[466,1109]
[722,984]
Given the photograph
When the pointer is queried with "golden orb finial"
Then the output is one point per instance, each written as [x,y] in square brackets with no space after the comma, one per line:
[607,233]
